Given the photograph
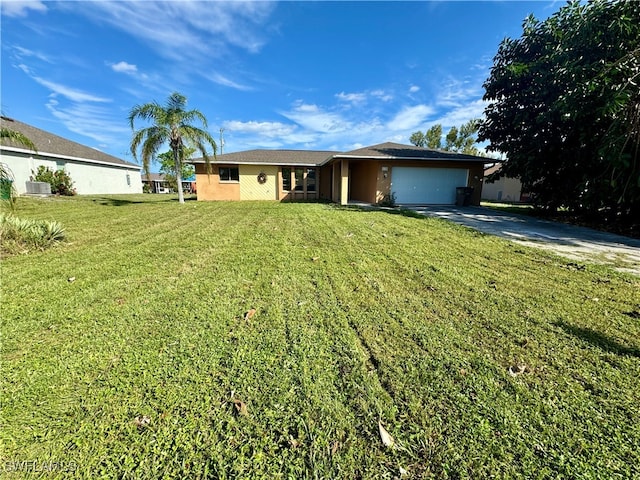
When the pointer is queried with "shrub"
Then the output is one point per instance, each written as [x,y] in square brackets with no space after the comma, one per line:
[60,181]
[19,235]
[7,190]
[388,200]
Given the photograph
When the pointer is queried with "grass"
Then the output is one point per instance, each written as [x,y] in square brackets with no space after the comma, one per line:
[145,366]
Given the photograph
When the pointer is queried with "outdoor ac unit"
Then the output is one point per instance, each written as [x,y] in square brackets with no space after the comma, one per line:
[38,188]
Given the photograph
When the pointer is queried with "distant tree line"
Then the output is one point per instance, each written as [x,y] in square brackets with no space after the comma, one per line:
[459,140]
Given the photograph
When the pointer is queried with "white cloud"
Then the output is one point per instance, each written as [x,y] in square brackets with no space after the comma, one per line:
[382,95]
[184,30]
[410,118]
[414,89]
[58,89]
[21,52]
[462,114]
[227,82]
[20,8]
[264,129]
[245,135]
[312,118]
[351,97]
[455,92]
[124,67]
[91,121]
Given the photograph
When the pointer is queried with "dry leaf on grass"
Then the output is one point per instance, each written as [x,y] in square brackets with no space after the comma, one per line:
[142,421]
[240,406]
[386,438]
[515,370]
[249,314]
[293,442]
[335,446]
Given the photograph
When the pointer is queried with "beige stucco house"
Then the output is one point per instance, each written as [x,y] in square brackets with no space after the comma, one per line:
[92,171]
[413,175]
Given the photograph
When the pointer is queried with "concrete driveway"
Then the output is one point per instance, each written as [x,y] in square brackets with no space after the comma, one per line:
[577,243]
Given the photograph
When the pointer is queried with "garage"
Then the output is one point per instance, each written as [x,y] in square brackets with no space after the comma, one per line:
[429,186]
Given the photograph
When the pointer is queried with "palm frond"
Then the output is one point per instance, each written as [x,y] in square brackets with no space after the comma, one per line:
[171,124]
[18,138]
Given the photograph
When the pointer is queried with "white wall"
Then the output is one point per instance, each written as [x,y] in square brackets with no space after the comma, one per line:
[88,178]
[503,190]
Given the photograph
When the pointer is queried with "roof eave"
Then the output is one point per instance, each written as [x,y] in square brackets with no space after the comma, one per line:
[392,157]
[274,164]
[129,166]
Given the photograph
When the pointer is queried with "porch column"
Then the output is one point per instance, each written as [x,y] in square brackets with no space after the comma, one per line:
[344,187]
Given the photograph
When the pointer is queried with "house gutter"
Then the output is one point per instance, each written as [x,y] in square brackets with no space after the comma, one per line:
[391,157]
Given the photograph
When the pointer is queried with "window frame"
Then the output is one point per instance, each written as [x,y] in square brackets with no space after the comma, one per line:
[231,178]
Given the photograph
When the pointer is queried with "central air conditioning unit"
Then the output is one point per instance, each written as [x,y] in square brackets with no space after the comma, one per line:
[38,188]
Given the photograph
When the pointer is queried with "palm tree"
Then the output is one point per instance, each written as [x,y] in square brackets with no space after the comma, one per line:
[172,124]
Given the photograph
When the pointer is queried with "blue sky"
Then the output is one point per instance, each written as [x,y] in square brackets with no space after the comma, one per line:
[298,75]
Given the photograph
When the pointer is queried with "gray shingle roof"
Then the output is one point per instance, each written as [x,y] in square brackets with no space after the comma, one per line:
[49,144]
[272,157]
[397,151]
[153,177]
[388,151]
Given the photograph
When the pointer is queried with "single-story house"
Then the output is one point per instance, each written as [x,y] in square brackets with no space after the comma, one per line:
[413,175]
[506,189]
[92,171]
[157,183]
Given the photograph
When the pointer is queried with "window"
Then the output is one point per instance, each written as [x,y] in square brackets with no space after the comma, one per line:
[128,180]
[286,179]
[311,179]
[60,164]
[229,174]
[299,172]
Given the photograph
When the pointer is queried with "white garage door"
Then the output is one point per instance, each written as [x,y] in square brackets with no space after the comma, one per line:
[436,186]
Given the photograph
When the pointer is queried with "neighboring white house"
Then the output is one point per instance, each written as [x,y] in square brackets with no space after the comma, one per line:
[92,171]
[504,190]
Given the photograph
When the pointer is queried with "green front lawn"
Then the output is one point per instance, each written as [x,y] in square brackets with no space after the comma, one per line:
[147,366]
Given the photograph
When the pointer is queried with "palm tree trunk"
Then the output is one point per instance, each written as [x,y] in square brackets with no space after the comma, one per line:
[176,160]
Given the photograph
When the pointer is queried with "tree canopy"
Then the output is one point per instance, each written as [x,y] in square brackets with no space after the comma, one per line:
[168,166]
[460,140]
[171,124]
[564,107]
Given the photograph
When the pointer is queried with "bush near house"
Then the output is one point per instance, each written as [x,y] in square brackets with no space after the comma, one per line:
[60,180]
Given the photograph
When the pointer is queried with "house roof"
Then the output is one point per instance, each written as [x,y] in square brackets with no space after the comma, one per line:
[397,151]
[492,169]
[51,145]
[272,157]
[153,177]
[382,151]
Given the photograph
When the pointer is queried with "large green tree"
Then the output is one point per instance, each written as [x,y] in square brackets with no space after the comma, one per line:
[168,167]
[171,124]
[433,137]
[564,107]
